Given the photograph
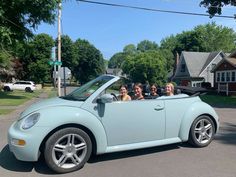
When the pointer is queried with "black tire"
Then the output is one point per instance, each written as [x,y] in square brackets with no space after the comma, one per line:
[67,150]
[28,89]
[202,131]
[6,89]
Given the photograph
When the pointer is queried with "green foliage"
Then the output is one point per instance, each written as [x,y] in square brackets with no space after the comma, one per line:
[116,60]
[203,38]
[4,59]
[90,62]
[146,62]
[146,66]
[211,37]
[67,52]
[146,45]
[130,49]
[215,6]
[18,18]
[37,57]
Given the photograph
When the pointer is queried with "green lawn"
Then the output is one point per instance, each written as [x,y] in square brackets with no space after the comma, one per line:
[218,100]
[5,111]
[52,92]
[16,98]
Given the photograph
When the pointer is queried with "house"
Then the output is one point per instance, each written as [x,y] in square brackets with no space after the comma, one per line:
[194,68]
[225,75]
[115,71]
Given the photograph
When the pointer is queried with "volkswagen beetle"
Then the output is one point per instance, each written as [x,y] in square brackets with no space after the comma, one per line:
[67,130]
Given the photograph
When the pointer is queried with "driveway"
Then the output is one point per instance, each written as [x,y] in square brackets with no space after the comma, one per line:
[178,160]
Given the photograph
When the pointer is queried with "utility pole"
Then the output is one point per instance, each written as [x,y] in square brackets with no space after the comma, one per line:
[59,48]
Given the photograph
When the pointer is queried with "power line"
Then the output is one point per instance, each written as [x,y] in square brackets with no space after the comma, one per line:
[14,23]
[153,10]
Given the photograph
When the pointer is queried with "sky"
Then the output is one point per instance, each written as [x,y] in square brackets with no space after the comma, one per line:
[110,29]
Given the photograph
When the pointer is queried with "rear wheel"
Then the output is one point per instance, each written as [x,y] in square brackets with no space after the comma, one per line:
[67,150]
[28,89]
[202,131]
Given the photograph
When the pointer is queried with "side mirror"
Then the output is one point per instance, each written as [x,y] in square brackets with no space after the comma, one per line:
[106,98]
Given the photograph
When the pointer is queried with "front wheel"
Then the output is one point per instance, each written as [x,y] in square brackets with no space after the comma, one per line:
[67,150]
[202,131]
[6,89]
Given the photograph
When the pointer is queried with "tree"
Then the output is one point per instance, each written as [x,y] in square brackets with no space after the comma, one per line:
[90,62]
[37,56]
[203,38]
[130,49]
[146,66]
[67,52]
[146,45]
[211,37]
[19,18]
[116,60]
[215,6]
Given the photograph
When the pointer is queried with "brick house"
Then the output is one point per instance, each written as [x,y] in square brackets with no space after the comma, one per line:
[225,75]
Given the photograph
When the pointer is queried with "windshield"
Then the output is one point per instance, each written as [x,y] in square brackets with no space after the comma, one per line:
[83,92]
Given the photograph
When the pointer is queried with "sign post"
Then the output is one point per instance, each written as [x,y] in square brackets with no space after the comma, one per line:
[59,48]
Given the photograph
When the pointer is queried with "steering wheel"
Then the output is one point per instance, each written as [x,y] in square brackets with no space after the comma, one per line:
[114,96]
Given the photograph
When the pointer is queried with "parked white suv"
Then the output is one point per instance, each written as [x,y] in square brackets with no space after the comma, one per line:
[28,86]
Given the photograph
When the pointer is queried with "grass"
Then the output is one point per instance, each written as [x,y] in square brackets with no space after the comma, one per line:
[5,111]
[52,92]
[16,98]
[219,100]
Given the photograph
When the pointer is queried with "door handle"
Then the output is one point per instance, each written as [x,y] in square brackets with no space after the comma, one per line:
[159,107]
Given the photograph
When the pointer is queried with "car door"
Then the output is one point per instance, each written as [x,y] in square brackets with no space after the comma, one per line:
[17,86]
[133,121]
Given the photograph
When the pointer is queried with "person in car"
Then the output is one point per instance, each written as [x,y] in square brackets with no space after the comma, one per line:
[153,90]
[124,93]
[138,92]
[169,89]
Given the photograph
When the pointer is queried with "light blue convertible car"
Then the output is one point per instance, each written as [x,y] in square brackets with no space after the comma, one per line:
[67,130]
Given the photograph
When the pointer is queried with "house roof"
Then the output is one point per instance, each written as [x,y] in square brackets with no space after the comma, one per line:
[211,56]
[232,61]
[195,62]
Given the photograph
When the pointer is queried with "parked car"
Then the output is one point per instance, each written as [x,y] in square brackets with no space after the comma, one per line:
[66,130]
[28,86]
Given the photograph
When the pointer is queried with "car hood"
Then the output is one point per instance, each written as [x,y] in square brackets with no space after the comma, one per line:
[52,102]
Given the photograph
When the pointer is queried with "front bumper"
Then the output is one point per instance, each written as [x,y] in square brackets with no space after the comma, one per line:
[32,137]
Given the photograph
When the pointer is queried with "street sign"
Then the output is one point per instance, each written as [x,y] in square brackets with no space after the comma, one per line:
[55,62]
[58,63]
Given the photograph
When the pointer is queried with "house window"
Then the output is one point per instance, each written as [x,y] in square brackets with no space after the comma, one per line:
[222,77]
[218,77]
[227,76]
[182,68]
[233,76]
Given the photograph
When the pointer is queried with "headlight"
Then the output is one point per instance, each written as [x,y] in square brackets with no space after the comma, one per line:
[30,121]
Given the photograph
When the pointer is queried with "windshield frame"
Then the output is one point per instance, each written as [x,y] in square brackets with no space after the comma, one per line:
[87,90]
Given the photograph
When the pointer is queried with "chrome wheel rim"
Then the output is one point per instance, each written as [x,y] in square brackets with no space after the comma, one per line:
[69,151]
[203,131]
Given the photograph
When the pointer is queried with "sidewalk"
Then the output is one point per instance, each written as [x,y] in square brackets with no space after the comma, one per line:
[18,109]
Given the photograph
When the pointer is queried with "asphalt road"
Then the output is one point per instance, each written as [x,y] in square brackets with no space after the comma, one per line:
[178,160]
